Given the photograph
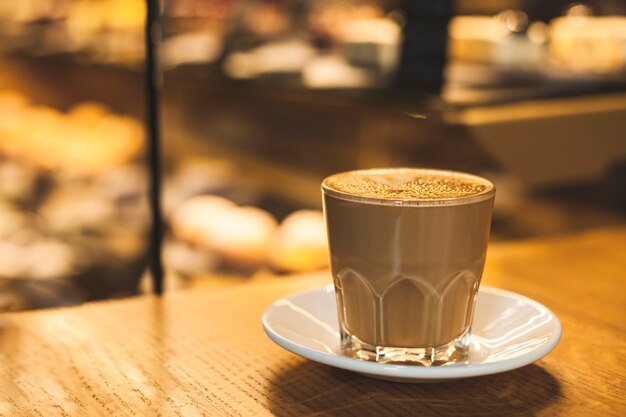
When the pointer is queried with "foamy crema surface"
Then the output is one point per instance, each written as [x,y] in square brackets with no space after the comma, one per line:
[409,186]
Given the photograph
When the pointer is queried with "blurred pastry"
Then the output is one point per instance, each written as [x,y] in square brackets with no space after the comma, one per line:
[371,43]
[243,234]
[495,40]
[18,180]
[48,259]
[14,264]
[300,243]
[277,57]
[88,113]
[589,44]
[194,220]
[12,222]
[191,48]
[335,72]
[87,140]
[76,210]
[240,235]
[26,254]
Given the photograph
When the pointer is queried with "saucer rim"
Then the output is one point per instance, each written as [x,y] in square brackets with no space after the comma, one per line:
[411,372]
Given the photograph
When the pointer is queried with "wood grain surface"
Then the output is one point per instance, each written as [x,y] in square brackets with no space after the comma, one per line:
[203,352]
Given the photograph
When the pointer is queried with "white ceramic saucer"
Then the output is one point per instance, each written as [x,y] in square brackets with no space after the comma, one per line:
[509,331]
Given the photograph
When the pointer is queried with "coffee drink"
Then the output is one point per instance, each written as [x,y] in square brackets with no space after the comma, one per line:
[407,252]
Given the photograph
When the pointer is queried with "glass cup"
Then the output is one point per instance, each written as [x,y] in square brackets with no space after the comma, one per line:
[407,251]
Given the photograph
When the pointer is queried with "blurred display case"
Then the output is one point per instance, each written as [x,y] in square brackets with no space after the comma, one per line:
[263,99]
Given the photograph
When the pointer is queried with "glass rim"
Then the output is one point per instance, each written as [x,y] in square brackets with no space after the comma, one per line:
[486,194]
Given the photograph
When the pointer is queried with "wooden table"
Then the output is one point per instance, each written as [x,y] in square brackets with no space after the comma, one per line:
[203,352]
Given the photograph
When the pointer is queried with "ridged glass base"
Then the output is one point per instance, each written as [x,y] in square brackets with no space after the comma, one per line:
[455,351]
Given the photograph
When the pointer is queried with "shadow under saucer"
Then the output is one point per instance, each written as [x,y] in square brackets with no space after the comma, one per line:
[308,388]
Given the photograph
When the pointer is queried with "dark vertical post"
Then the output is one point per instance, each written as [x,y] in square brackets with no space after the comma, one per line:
[153,81]
[424,49]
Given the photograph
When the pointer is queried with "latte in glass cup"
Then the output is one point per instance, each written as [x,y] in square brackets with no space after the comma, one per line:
[407,251]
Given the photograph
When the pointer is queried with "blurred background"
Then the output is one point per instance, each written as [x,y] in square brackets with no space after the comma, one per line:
[261,100]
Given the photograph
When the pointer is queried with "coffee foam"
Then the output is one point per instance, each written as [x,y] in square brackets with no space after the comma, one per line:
[408,184]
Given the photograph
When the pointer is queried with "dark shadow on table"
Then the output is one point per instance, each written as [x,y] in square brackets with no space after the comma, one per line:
[309,389]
